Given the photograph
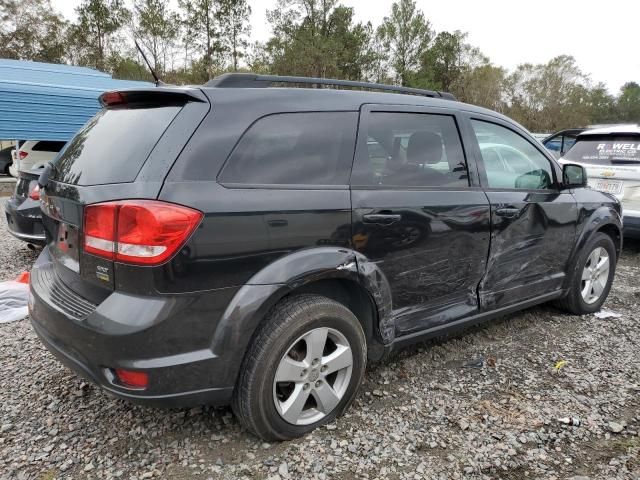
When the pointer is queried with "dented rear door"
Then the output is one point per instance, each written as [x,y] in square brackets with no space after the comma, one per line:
[419,214]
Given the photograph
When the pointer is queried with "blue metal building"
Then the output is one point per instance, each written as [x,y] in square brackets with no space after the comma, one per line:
[44,101]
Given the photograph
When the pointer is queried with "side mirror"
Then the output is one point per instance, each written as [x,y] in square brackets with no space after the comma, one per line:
[534,180]
[574,176]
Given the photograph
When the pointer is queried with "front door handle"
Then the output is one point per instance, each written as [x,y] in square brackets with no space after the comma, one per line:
[381,218]
[278,223]
[508,212]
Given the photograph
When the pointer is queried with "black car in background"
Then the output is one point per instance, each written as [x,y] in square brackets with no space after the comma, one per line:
[234,243]
[23,213]
[5,158]
[560,142]
[24,217]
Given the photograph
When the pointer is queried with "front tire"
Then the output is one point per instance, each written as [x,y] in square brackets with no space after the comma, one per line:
[303,369]
[592,276]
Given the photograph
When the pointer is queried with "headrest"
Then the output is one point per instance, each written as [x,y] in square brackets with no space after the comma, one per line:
[424,147]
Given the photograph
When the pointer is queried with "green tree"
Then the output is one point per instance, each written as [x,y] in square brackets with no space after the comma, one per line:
[95,36]
[156,27]
[203,32]
[629,103]
[317,38]
[550,96]
[601,105]
[32,30]
[235,28]
[127,68]
[405,35]
[483,85]
[442,64]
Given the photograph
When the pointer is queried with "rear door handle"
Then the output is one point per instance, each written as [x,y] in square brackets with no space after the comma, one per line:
[278,223]
[381,218]
[508,212]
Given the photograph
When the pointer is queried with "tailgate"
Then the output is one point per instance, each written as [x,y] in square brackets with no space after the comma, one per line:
[124,152]
[62,205]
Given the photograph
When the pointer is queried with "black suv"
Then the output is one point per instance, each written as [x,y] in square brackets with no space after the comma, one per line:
[257,246]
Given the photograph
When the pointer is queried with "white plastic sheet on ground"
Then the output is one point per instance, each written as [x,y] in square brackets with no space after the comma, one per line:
[604,314]
[13,301]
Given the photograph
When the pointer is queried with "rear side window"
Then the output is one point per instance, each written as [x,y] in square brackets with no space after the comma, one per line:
[294,149]
[113,146]
[623,150]
[411,150]
[48,146]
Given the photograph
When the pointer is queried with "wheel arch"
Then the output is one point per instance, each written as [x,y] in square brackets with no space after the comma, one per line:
[337,273]
[604,219]
[615,233]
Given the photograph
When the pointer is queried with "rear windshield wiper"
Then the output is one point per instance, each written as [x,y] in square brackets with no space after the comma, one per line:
[50,168]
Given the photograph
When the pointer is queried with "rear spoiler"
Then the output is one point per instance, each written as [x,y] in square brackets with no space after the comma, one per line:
[152,96]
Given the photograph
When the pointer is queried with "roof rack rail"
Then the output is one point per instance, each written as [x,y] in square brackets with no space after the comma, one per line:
[252,80]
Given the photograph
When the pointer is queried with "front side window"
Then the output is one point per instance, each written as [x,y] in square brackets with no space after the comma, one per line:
[310,148]
[509,160]
[411,150]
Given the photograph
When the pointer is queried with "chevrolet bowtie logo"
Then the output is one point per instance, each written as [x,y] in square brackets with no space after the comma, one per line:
[608,173]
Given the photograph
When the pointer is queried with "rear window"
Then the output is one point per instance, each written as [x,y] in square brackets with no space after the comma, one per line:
[47,146]
[294,149]
[606,151]
[113,146]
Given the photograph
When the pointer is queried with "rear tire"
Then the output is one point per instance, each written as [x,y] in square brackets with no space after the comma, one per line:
[591,277]
[317,349]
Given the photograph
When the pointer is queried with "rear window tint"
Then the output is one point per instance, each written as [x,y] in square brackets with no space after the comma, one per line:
[46,146]
[606,151]
[411,150]
[113,146]
[294,149]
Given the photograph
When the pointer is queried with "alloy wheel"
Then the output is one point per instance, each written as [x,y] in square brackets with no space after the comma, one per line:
[313,376]
[595,275]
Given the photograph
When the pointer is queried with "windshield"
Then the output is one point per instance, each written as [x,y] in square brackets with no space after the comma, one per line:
[113,145]
[606,151]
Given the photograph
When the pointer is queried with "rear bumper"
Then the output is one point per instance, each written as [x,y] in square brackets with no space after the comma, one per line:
[206,396]
[135,333]
[25,220]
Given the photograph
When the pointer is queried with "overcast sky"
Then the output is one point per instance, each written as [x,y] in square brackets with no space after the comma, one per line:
[602,36]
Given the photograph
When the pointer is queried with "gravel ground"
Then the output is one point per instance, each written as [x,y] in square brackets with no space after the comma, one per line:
[484,404]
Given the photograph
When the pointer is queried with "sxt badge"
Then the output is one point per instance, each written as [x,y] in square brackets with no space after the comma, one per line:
[102,273]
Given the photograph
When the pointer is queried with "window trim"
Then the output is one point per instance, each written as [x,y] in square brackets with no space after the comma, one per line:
[281,186]
[484,181]
[361,150]
[284,186]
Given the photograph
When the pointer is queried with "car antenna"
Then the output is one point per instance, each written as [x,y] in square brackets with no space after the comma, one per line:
[153,74]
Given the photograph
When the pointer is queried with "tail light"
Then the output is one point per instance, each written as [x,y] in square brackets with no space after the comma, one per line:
[140,232]
[22,154]
[34,190]
[132,378]
[110,99]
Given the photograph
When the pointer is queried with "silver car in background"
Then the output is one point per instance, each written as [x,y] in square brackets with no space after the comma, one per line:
[611,156]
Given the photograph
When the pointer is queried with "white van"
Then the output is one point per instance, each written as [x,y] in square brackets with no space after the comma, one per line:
[34,154]
[611,156]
